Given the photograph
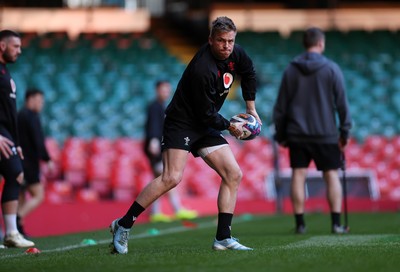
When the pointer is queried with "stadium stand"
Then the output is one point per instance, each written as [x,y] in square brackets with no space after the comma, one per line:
[96,87]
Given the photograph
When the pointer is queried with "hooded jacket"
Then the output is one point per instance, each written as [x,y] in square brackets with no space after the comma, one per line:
[311,97]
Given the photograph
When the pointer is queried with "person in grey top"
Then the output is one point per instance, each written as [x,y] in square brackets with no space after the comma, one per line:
[311,97]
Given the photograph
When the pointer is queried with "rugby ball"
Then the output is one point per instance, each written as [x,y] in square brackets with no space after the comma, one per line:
[250,130]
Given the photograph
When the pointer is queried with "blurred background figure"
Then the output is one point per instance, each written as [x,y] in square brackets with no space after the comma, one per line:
[311,95]
[10,151]
[32,141]
[153,133]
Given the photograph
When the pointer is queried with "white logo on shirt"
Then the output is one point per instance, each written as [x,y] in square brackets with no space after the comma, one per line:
[13,89]
[187,140]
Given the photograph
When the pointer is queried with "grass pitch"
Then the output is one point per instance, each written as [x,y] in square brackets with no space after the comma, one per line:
[372,245]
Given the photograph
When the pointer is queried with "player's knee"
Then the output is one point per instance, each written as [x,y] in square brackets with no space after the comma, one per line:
[234,176]
[171,180]
[12,187]
[20,178]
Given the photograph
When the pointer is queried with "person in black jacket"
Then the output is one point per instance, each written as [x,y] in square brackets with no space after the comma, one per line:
[311,95]
[10,151]
[32,141]
[152,147]
[193,124]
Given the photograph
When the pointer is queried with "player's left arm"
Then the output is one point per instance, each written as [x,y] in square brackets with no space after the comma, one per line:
[251,109]
[248,82]
[342,107]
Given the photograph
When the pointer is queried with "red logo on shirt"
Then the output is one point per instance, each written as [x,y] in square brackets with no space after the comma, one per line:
[228,80]
[231,66]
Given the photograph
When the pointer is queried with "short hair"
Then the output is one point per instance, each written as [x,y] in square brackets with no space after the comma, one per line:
[160,82]
[32,92]
[4,34]
[222,24]
[312,36]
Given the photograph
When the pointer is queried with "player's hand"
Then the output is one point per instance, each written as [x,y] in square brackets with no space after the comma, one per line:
[236,129]
[5,147]
[20,153]
[251,109]
[255,114]
[154,147]
[342,143]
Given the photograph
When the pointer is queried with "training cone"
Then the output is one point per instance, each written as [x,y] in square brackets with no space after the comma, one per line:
[153,231]
[189,224]
[88,242]
[32,250]
[247,217]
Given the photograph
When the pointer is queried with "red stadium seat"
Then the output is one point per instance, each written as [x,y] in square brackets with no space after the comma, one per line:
[74,161]
[100,145]
[59,192]
[99,173]
[129,146]
[374,143]
[353,151]
[388,152]
[396,143]
[123,173]
[87,195]
[55,154]
[74,154]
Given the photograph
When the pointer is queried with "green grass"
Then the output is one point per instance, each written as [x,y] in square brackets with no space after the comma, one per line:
[373,245]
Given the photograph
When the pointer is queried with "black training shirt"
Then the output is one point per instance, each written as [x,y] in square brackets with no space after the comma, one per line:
[204,86]
[31,135]
[8,104]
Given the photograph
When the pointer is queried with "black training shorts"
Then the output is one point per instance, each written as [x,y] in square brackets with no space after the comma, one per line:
[325,156]
[179,136]
[10,168]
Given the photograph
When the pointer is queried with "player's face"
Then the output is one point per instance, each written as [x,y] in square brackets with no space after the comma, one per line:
[222,44]
[38,102]
[164,91]
[11,49]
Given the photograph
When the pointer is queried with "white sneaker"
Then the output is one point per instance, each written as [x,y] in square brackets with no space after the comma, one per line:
[120,237]
[17,240]
[229,243]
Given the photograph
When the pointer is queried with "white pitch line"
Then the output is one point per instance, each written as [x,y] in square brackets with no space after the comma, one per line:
[131,237]
[137,236]
[347,240]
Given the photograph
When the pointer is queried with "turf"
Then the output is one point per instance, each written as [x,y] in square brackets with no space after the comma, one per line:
[373,245]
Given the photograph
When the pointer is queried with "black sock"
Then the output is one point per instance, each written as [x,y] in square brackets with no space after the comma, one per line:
[224,226]
[299,217]
[335,218]
[129,218]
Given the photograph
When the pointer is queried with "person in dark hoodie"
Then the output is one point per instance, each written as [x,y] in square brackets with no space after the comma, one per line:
[311,96]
